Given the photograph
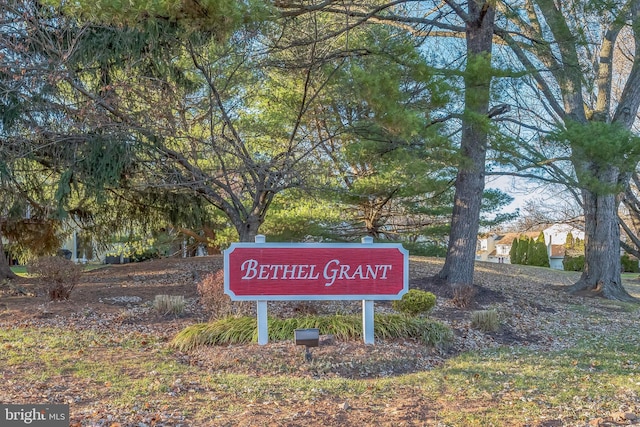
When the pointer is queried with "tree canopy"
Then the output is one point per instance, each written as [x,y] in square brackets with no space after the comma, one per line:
[223,118]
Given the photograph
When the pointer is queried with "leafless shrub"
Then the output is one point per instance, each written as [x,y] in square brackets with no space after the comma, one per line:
[463,295]
[215,301]
[58,276]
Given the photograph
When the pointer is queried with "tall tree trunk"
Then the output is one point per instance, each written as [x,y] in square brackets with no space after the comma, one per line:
[248,230]
[601,275]
[5,269]
[458,266]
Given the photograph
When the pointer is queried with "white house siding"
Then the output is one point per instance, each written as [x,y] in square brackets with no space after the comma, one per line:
[556,263]
[557,234]
[503,253]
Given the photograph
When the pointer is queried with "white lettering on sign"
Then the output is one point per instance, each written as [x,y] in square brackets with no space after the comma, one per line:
[253,270]
[331,271]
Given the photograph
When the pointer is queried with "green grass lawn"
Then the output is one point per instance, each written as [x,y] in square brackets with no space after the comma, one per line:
[498,387]
[109,373]
[21,270]
[631,282]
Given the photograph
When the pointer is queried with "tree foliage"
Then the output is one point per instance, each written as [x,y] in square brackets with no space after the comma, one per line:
[528,251]
[513,252]
[571,70]
[213,115]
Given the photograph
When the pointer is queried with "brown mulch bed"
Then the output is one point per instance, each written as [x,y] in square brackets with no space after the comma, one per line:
[118,298]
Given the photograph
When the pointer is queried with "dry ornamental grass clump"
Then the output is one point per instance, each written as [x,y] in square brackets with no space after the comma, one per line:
[485,320]
[169,304]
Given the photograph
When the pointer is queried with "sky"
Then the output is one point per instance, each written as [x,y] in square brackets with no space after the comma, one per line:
[551,201]
[520,190]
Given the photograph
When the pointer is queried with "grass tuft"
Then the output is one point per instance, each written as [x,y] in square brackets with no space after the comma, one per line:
[169,304]
[485,320]
[236,330]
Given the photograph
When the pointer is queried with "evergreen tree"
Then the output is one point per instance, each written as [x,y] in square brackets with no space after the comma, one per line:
[569,242]
[376,135]
[590,91]
[530,254]
[523,245]
[193,104]
[540,256]
[28,217]
[513,252]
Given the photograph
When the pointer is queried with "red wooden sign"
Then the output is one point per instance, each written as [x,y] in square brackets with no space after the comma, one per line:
[277,271]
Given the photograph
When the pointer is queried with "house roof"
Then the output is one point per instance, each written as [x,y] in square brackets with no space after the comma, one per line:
[508,238]
[480,253]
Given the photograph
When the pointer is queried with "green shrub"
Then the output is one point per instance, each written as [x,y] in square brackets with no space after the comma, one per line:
[522,250]
[539,256]
[513,252]
[135,251]
[144,255]
[628,264]
[57,275]
[527,251]
[425,249]
[571,263]
[415,302]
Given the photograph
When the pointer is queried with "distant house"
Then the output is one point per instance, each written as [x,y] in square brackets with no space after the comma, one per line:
[484,246]
[555,238]
[81,249]
[78,247]
[557,234]
[556,256]
[497,247]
